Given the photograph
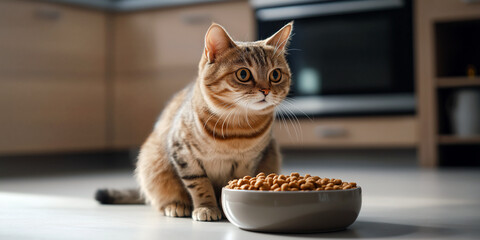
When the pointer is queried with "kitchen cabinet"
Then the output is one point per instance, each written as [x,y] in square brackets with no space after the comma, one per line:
[74,78]
[348,132]
[440,31]
[52,78]
[77,78]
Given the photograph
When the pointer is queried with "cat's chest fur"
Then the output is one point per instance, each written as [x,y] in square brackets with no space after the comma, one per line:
[222,169]
[221,160]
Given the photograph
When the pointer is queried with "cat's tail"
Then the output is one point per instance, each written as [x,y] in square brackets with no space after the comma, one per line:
[119,196]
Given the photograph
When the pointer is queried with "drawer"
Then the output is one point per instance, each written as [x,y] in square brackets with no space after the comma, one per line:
[40,38]
[349,132]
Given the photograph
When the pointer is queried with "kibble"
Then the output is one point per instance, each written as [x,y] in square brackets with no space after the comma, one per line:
[292,182]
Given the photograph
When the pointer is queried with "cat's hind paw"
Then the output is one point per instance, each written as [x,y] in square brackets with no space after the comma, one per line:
[177,210]
[207,214]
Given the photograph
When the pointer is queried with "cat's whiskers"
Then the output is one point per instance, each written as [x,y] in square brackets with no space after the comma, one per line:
[287,51]
[284,122]
[246,115]
[235,112]
[284,49]
[276,47]
[227,105]
[226,120]
[238,112]
[294,122]
[291,103]
[215,126]
[280,52]
[246,104]
[223,113]
[238,119]
[231,111]
[286,116]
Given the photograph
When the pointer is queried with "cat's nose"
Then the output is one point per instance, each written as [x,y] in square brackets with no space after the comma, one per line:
[265,91]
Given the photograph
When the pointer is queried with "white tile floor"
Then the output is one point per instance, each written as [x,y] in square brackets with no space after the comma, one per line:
[400,201]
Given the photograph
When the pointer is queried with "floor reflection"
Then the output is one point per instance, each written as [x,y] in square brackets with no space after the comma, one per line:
[360,229]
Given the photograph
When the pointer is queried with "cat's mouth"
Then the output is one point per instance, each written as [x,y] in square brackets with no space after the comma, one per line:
[259,104]
[263,103]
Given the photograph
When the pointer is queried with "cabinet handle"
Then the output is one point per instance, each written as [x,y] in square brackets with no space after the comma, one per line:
[196,19]
[47,14]
[331,131]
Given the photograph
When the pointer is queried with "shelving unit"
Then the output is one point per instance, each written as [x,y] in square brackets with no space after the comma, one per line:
[446,43]
[452,140]
[454,82]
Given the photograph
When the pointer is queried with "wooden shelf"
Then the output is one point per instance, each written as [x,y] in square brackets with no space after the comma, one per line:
[452,82]
[451,139]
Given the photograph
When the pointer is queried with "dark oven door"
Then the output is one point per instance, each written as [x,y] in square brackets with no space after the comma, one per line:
[346,47]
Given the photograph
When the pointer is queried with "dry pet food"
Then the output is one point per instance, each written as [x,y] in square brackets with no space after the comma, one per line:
[294,182]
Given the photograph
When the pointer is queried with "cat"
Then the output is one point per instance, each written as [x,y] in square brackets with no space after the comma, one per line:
[216,129]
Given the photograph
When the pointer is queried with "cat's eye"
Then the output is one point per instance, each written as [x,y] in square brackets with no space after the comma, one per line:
[275,75]
[243,74]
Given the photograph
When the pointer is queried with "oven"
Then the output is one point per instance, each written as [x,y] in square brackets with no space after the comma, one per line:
[348,57]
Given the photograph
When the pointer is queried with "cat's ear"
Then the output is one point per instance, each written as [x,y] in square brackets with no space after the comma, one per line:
[217,40]
[280,39]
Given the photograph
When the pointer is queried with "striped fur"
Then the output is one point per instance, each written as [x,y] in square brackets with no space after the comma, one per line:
[215,129]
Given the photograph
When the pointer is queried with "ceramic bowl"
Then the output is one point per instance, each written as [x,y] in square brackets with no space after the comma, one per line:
[292,212]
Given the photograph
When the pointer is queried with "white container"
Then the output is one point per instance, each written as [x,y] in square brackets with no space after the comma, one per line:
[465,113]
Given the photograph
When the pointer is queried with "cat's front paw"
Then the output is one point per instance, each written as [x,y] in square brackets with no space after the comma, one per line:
[207,214]
[177,210]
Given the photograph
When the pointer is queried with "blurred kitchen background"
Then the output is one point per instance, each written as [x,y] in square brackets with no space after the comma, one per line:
[83,81]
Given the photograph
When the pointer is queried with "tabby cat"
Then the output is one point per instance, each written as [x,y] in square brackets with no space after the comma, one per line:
[216,129]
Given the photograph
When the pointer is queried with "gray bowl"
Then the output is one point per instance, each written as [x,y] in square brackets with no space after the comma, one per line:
[292,212]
